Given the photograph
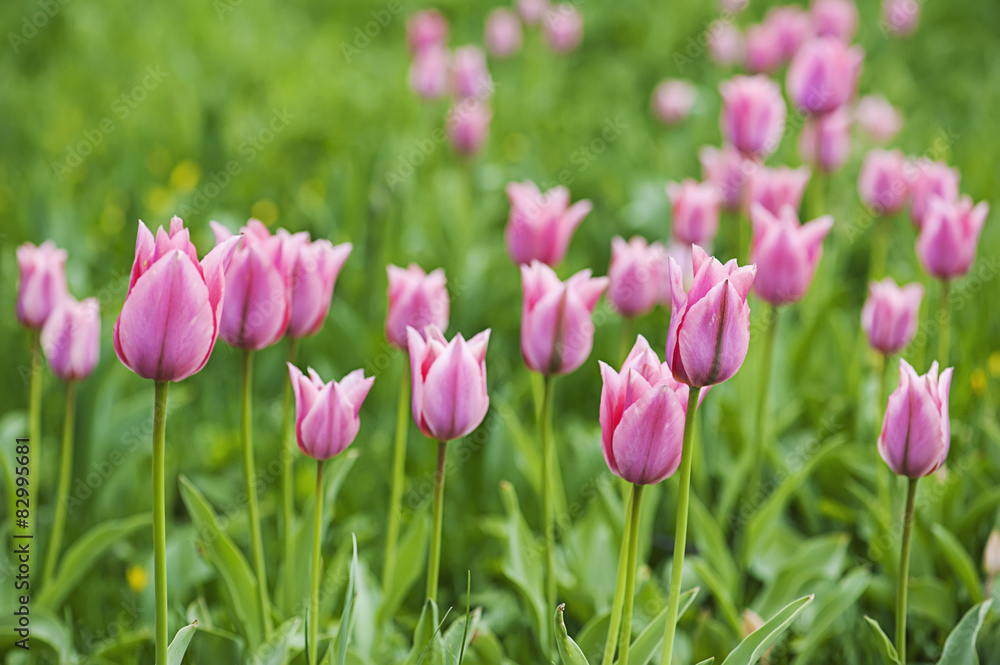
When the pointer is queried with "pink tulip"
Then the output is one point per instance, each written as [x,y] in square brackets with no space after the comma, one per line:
[71,338]
[779,187]
[786,253]
[835,18]
[637,275]
[470,73]
[883,183]
[503,32]
[825,141]
[791,26]
[681,254]
[449,382]
[947,242]
[540,226]
[916,432]
[931,180]
[726,44]
[900,17]
[326,414]
[753,115]
[889,317]
[823,75]
[557,333]
[315,268]
[426,29]
[429,73]
[709,324]
[532,11]
[694,211]
[416,300]
[41,282]
[173,309]
[764,52]
[642,417]
[728,170]
[563,27]
[877,118]
[258,286]
[468,126]
[672,100]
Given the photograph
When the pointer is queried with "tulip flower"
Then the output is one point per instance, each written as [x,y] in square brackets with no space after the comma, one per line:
[779,187]
[823,75]
[41,282]
[672,100]
[503,32]
[468,126]
[877,118]
[916,434]
[315,268]
[637,275]
[682,256]
[449,401]
[753,115]
[563,28]
[426,29]
[470,73]
[694,211]
[931,180]
[791,26]
[540,226]
[835,18]
[430,72]
[825,141]
[726,44]
[532,11]
[889,317]
[900,17]
[326,423]
[786,253]
[764,50]
[883,183]
[947,242]
[728,170]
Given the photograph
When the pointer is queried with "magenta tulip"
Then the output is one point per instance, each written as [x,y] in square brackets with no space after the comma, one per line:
[825,141]
[779,187]
[563,28]
[672,100]
[764,52]
[503,32]
[557,333]
[728,170]
[889,317]
[900,17]
[786,253]
[916,432]
[314,274]
[637,276]
[449,382]
[642,417]
[835,18]
[947,242]
[416,300]
[726,44]
[709,324]
[823,75]
[71,338]
[931,180]
[430,72]
[173,309]
[468,126]
[877,118]
[41,282]
[540,226]
[694,211]
[470,74]
[753,115]
[326,414]
[532,11]
[426,29]
[884,184]
[791,26]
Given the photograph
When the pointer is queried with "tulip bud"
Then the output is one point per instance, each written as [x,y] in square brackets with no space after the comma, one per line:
[889,317]
[315,267]
[71,338]
[825,141]
[790,26]
[637,275]
[503,32]
[991,554]
[557,333]
[900,17]
[426,29]
[540,226]
[753,115]
[877,118]
[823,75]
[532,11]
[173,309]
[835,18]
[930,180]
[726,44]
[429,72]
[449,382]
[468,126]
[41,282]
[672,100]
[563,27]
[709,324]
[642,417]
[947,242]
[470,74]
[764,54]
[326,414]
[883,183]
[728,170]
[916,432]
[779,187]
[786,253]
[694,211]
[416,300]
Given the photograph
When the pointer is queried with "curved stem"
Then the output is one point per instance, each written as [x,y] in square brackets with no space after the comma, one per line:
[398,481]
[633,554]
[434,562]
[616,606]
[288,481]
[944,319]
[249,469]
[760,442]
[160,520]
[904,570]
[680,539]
[316,563]
[65,471]
[548,460]
[35,419]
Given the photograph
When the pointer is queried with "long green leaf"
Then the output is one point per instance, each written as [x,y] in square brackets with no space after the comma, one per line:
[885,645]
[409,566]
[569,652]
[651,638]
[960,647]
[831,606]
[753,647]
[178,646]
[959,560]
[707,661]
[718,588]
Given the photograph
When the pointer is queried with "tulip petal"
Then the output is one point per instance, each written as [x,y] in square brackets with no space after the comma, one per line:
[648,441]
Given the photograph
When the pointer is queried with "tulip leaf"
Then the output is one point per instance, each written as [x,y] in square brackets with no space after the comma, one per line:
[707,661]
[456,639]
[758,642]
[345,621]
[569,652]
[959,560]
[960,647]
[712,543]
[522,562]
[427,648]
[721,593]
[178,646]
[885,645]
[650,640]
[409,566]
[831,606]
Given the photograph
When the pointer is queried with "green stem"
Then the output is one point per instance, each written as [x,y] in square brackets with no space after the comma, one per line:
[904,570]
[680,539]
[616,606]
[35,418]
[880,248]
[744,237]
[256,542]
[633,554]
[945,320]
[884,473]
[548,455]
[316,563]
[398,480]
[628,338]
[434,563]
[760,442]
[65,471]
[289,447]
[160,520]
[817,200]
